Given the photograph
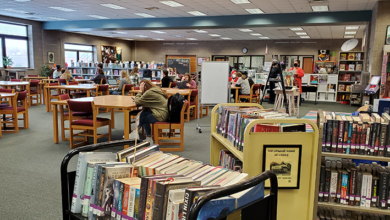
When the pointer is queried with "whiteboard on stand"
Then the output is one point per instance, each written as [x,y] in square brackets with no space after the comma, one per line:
[214,84]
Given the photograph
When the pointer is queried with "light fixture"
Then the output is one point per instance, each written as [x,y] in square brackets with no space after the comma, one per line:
[351,27]
[129,39]
[320,8]
[62,9]
[16,11]
[245,30]
[177,35]
[98,16]
[240,1]
[55,18]
[159,32]
[22,0]
[119,32]
[264,37]
[196,13]
[171,3]
[300,33]
[255,11]
[141,36]
[200,31]
[145,15]
[296,29]
[157,39]
[349,36]
[255,34]
[305,36]
[225,38]
[192,39]
[214,35]
[112,6]
[350,32]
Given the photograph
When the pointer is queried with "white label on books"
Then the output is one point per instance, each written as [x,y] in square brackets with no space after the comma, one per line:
[376,148]
[345,146]
[383,204]
[98,212]
[334,145]
[321,195]
[353,147]
[113,214]
[374,199]
[118,217]
[338,196]
[351,198]
[362,147]
[91,209]
[388,201]
[357,198]
[95,211]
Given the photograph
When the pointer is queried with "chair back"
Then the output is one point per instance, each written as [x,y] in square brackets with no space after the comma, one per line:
[136,88]
[50,77]
[174,84]
[78,77]
[126,88]
[194,93]
[34,83]
[73,83]
[54,84]
[63,97]
[22,95]
[103,81]
[7,90]
[16,80]
[62,81]
[103,88]
[32,75]
[78,106]
[184,109]
[256,89]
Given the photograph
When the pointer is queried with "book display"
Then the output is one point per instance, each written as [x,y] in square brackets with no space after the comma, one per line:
[351,65]
[323,67]
[329,213]
[327,86]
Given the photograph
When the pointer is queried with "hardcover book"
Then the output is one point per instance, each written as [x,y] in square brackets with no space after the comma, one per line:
[342,66]
[343,56]
[351,56]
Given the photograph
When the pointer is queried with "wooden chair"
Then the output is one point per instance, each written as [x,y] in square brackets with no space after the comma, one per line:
[194,104]
[201,111]
[15,111]
[32,75]
[173,84]
[102,90]
[127,88]
[6,102]
[15,80]
[254,95]
[88,125]
[103,81]
[78,93]
[160,137]
[187,112]
[53,96]
[63,81]
[35,94]
[78,77]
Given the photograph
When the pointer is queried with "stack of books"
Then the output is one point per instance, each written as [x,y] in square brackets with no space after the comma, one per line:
[327,213]
[363,134]
[365,185]
[229,161]
[159,186]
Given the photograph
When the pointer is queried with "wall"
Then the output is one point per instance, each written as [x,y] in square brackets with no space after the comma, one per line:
[148,51]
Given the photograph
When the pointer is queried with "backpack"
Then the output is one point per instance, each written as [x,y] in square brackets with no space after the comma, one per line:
[175,103]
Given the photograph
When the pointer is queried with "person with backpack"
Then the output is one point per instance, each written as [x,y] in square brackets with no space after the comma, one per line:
[154,103]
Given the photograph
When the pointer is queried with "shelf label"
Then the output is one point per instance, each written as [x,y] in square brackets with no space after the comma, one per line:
[357,198]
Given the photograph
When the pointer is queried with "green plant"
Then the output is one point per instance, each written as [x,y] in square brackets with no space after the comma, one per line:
[46,70]
[7,61]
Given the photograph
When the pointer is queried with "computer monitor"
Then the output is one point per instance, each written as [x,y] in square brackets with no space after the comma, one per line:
[148,78]
[158,73]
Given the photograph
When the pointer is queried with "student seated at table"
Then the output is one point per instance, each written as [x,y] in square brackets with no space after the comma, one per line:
[124,81]
[99,76]
[67,76]
[134,76]
[57,73]
[154,103]
[165,81]
[243,83]
[191,84]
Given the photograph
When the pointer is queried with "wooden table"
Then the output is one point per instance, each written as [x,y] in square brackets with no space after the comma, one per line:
[9,85]
[83,80]
[126,103]
[34,77]
[235,88]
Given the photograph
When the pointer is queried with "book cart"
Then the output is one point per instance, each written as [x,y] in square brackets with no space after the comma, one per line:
[374,210]
[264,208]
[294,204]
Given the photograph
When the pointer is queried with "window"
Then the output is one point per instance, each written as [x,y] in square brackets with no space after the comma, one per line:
[76,52]
[14,44]
[242,63]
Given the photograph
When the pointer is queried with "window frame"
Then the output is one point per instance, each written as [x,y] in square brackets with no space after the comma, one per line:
[226,57]
[14,37]
[78,51]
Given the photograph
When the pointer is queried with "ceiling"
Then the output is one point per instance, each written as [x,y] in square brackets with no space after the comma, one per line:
[315,32]
[40,9]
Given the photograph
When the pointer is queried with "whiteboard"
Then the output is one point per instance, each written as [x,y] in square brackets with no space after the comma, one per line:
[214,84]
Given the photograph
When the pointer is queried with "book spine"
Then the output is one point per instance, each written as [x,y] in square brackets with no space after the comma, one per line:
[349,137]
[130,206]
[363,140]
[335,135]
[95,180]
[186,208]
[381,151]
[125,200]
[339,185]
[388,141]
[363,191]
[120,202]
[340,137]
[373,137]
[352,187]
[369,189]
[142,198]
[150,200]
[353,138]
[136,203]
[383,192]
[98,192]
[322,184]
[333,185]
[87,190]
[344,188]
[359,178]
[348,187]
[374,195]
[324,138]
[358,137]
[368,140]
[158,202]
[345,140]
[329,136]
[377,137]
[76,203]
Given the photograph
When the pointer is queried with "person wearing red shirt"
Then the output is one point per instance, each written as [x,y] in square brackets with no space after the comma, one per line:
[298,74]
[233,77]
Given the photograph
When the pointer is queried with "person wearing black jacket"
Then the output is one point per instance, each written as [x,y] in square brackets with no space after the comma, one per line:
[273,73]
[165,81]
[99,76]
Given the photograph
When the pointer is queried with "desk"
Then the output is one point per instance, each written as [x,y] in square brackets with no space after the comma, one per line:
[235,88]
[14,72]
[311,89]
[34,77]
[125,103]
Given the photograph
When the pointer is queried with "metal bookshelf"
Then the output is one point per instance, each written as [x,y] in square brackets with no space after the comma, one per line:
[86,73]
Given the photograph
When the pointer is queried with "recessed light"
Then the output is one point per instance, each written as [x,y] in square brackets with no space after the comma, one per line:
[320,8]
[159,32]
[200,31]
[350,32]
[22,0]
[255,34]
[55,18]
[192,39]
[112,6]
[196,13]
[245,30]
[296,29]
[349,36]
[145,15]
[157,39]
[129,39]
[141,36]
[171,3]
[98,16]
[240,1]
[300,33]
[255,11]
[214,35]
[352,27]
[16,11]
[62,9]
[225,38]
[264,37]
[177,35]
[119,32]
[305,36]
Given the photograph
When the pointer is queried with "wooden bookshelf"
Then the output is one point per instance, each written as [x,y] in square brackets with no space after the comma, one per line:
[356,156]
[373,210]
[228,145]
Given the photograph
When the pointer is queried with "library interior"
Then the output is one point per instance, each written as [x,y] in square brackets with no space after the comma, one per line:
[160,109]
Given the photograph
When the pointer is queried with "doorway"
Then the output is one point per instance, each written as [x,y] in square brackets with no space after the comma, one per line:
[307,64]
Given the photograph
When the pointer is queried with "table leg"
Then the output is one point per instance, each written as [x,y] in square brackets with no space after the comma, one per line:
[55,124]
[112,118]
[236,96]
[315,102]
[44,94]
[28,95]
[89,93]
[62,123]
[127,124]
[48,100]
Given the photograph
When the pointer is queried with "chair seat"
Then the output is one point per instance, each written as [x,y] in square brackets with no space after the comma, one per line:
[89,121]
[247,96]
[192,103]
[86,114]
[33,92]
[19,109]
[163,122]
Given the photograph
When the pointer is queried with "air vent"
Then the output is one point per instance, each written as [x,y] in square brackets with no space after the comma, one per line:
[180,43]
[168,43]
[282,42]
[192,43]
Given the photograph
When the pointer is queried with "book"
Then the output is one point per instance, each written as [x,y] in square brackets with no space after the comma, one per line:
[247,196]
[335,135]
[340,134]
[329,121]
[322,184]
[174,195]
[351,56]
[121,155]
[327,181]
[177,210]
[347,77]
[343,56]
[341,87]
[191,195]
[87,188]
[215,208]
[359,67]
[351,67]
[352,189]
[382,138]
[358,56]
[349,118]
[333,184]
[363,138]
[342,66]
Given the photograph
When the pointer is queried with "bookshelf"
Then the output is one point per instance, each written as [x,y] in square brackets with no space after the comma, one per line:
[327,86]
[327,65]
[87,72]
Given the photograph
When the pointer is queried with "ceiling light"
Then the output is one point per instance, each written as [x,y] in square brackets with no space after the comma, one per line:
[264,37]
[352,27]
[16,11]
[129,39]
[225,38]
[171,3]
[350,32]
[98,16]
[214,35]
[55,18]
[177,35]
[159,32]
[22,0]
[349,36]
[255,34]
[305,36]
[245,30]
[145,15]
[240,1]
[254,11]
[300,33]
[119,32]
[157,39]
[296,29]
[112,6]
[141,36]
[200,31]
[192,39]
[62,9]
[196,13]
[320,8]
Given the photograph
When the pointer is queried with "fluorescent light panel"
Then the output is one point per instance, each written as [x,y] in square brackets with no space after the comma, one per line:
[350,32]
[157,39]
[112,6]
[349,36]
[62,9]
[200,31]
[214,35]
[255,11]
[192,39]
[245,30]
[300,33]
[320,8]
[145,15]
[159,32]
[351,27]
[177,35]
[196,13]
[171,3]
[16,11]
[225,38]
[120,32]
[22,0]
[141,36]
[240,1]
[255,34]
[55,18]
[264,37]
[305,36]
[296,29]
[98,17]
[129,39]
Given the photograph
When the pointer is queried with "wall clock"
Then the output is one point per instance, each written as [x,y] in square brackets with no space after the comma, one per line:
[245,50]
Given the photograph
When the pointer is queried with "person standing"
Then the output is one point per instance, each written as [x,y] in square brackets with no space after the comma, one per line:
[273,74]
[134,76]
[57,73]
[298,74]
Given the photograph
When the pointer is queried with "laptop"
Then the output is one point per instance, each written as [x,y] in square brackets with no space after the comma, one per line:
[112,82]
[182,85]
[147,78]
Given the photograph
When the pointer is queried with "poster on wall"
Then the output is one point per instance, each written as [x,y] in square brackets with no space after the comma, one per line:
[285,162]
[200,60]
[50,56]
[111,53]
[388,35]
[323,55]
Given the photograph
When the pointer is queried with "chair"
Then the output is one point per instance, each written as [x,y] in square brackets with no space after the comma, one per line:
[193,104]
[62,81]
[35,94]
[15,80]
[201,111]
[103,81]
[173,84]
[126,88]
[103,90]
[78,93]
[254,95]
[32,75]
[53,96]
[15,111]
[87,125]
[50,77]
[78,77]
[8,101]
[160,137]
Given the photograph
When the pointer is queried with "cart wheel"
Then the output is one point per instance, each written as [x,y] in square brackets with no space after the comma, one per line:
[196,128]
[200,131]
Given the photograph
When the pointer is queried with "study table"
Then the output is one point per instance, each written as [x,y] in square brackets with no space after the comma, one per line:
[311,88]
[24,85]
[82,80]
[126,103]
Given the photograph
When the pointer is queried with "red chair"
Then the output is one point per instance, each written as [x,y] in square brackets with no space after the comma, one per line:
[87,125]
[173,84]
[62,81]
[78,93]
[53,96]
[103,90]
[15,111]
[32,75]
[254,95]
[127,88]
[35,94]
[5,102]
[194,104]
[103,81]
[16,80]
[50,77]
